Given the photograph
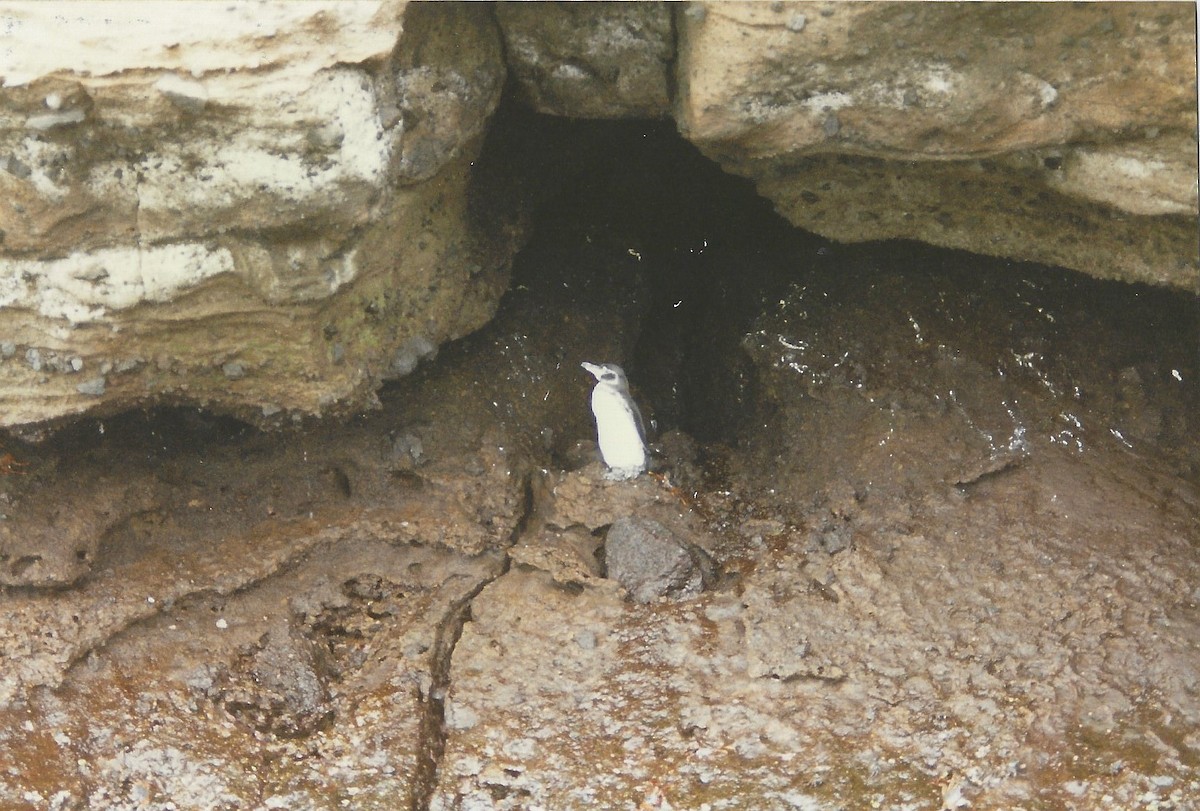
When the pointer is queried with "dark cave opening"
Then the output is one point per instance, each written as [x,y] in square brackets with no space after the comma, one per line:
[704,247]
[873,330]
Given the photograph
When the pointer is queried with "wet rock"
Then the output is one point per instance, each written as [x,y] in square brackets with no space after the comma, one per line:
[1140,416]
[140,720]
[680,453]
[650,561]
[586,498]
[405,451]
[833,536]
[872,651]
[464,502]
[568,643]
[1039,373]
[656,543]
[176,523]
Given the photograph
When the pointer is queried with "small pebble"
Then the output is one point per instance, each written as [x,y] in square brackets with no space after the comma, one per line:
[93,386]
[17,168]
[1076,788]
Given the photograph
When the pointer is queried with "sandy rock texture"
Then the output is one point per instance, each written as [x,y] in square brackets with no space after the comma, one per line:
[315,678]
[1063,135]
[900,674]
[261,208]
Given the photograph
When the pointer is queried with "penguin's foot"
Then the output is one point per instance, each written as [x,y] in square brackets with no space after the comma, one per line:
[620,474]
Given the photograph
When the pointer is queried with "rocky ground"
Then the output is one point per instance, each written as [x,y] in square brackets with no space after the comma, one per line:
[922,535]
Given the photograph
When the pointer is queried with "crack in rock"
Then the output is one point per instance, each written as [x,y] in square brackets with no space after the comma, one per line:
[432,736]
[431,744]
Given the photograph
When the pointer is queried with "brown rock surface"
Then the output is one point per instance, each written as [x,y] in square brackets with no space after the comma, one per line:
[1063,135]
[903,672]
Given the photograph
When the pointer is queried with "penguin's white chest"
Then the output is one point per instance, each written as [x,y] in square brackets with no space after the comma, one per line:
[620,438]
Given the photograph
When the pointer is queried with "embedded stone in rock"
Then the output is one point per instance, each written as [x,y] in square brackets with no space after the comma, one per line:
[279,686]
[651,562]
[282,194]
[596,60]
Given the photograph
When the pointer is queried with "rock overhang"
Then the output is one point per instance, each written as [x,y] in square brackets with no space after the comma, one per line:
[290,186]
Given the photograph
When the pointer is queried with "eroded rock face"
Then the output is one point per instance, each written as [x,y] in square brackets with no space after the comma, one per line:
[267,211]
[1063,136]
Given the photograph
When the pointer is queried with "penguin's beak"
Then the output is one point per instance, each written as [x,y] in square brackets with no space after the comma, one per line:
[593,368]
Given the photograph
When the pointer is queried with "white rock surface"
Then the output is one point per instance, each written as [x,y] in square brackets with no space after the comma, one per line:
[240,184]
